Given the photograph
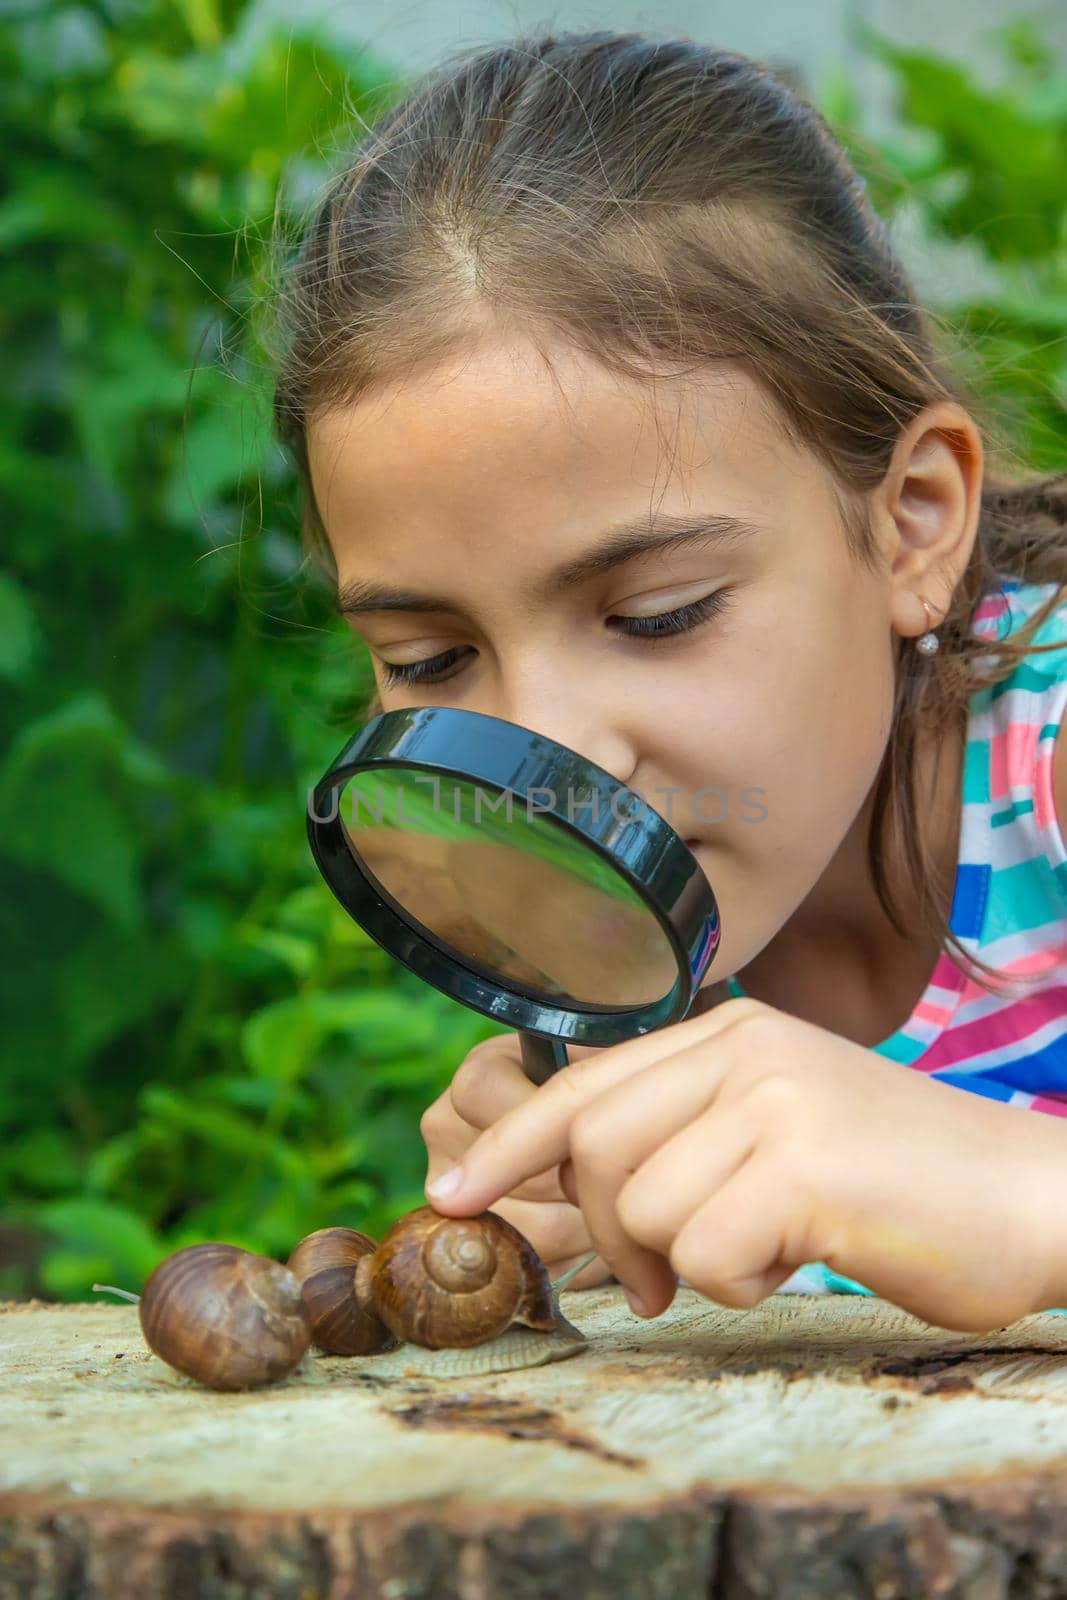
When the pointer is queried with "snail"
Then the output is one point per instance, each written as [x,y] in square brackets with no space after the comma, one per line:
[324,1264]
[455,1281]
[229,1318]
[517,1346]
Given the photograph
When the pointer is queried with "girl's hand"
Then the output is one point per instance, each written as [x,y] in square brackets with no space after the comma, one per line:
[489,1083]
[733,1147]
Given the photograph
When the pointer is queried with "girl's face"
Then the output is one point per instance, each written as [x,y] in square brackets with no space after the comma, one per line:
[756,727]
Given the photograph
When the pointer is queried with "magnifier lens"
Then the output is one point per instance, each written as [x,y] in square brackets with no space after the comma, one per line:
[443,834]
[507,888]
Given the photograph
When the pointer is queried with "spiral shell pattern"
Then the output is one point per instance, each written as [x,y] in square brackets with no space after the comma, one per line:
[456,1281]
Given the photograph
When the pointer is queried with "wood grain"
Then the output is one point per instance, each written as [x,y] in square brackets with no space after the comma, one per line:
[829,1446]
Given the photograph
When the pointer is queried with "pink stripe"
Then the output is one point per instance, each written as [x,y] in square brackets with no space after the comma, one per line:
[1044,799]
[1034,961]
[1013,1024]
[1053,1105]
[926,1011]
[1011,757]
[989,609]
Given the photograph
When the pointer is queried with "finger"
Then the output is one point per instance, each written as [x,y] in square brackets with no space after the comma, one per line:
[625,1130]
[534,1136]
[742,1243]
[687,1166]
[491,1080]
[544,1188]
[557,1232]
[485,1086]
[488,1084]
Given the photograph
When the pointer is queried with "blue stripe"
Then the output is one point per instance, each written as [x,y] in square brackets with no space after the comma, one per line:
[1042,1072]
[969,899]
[978,1083]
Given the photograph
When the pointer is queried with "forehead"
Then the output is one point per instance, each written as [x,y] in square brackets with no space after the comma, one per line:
[503,418]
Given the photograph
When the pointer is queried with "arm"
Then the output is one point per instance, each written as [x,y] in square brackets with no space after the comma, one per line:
[1043,1174]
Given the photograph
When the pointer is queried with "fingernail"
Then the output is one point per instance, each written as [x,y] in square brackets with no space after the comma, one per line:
[446,1184]
[636,1304]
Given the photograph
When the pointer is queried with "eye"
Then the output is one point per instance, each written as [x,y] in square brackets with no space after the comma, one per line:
[664,625]
[418,671]
[668,624]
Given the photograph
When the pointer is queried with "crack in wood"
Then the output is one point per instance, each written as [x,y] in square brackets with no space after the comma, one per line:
[933,1374]
[513,1418]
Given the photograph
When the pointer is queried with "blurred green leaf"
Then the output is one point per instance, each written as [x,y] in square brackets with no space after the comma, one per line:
[109,1232]
[281,1040]
[1008,148]
[20,632]
[67,769]
[44,1160]
[96,1009]
[224,1130]
[67,1274]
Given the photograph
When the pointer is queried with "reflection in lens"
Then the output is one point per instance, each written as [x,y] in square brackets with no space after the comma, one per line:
[508,888]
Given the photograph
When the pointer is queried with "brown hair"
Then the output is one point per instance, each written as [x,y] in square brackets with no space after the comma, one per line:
[653,200]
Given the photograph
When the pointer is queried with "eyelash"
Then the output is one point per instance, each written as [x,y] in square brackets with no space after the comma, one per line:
[664,625]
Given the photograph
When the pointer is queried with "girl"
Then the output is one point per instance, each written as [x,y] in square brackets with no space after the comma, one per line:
[558,267]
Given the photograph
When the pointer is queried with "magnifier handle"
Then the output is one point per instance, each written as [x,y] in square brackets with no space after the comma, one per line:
[541,1057]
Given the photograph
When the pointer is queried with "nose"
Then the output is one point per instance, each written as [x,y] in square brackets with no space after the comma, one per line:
[582,722]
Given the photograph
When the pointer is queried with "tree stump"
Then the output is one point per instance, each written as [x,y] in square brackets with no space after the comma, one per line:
[828,1446]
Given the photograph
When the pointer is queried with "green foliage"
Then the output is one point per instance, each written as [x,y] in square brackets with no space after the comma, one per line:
[984,170]
[198,1042]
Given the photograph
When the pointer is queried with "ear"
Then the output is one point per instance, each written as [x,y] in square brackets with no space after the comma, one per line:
[926,512]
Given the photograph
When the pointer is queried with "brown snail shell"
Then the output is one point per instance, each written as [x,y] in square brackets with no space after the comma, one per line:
[324,1264]
[455,1281]
[229,1318]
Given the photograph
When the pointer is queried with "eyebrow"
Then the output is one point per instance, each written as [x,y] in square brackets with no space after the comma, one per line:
[621,543]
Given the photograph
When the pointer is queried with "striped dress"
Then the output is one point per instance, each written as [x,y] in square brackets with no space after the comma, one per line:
[1009,903]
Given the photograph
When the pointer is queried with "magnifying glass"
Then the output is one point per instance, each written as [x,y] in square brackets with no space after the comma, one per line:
[515,876]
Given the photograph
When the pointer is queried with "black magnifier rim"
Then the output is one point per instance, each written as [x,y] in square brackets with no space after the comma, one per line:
[471,745]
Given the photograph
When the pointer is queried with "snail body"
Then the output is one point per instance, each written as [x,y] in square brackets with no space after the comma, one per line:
[453,1282]
[229,1318]
[518,1346]
[324,1264]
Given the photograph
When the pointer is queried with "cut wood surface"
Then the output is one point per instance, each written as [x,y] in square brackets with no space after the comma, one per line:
[813,1446]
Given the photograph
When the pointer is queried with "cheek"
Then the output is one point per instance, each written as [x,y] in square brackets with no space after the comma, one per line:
[785,749]
[820,768]
[723,741]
